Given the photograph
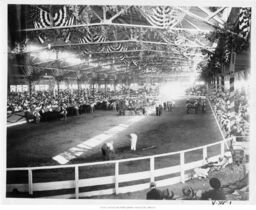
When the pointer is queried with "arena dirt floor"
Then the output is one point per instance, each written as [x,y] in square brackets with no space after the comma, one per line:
[36,144]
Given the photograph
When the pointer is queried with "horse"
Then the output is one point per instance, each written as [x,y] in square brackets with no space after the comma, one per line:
[192,105]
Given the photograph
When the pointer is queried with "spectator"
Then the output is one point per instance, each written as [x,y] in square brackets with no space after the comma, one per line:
[77,102]
[154,193]
[216,193]
[221,105]
[188,193]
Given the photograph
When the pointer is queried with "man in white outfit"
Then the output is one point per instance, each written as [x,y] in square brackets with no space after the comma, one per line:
[133,140]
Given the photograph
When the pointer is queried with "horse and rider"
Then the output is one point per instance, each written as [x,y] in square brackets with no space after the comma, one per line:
[196,104]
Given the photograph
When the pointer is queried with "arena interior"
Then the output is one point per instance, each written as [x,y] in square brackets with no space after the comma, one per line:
[128,102]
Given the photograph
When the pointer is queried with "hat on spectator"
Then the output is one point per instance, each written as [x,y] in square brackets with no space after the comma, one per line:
[152,184]
[215,183]
[188,191]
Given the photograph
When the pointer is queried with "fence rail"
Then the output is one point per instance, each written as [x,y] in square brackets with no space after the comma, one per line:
[117,178]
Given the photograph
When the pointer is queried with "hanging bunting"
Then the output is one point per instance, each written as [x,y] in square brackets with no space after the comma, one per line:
[59,18]
[162,16]
[115,47]
[244,22]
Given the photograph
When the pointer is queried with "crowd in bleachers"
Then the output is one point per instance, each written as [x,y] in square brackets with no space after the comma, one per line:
[222,107]
[47,105]
[221,104]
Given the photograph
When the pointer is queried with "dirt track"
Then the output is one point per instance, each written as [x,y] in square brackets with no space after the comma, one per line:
[34,145]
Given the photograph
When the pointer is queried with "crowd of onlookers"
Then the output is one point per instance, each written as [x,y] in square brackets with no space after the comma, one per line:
[216,192]
[220,101]
[232,126]
[46,105]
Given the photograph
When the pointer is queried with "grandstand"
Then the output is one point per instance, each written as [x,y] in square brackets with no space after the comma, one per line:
[112,101]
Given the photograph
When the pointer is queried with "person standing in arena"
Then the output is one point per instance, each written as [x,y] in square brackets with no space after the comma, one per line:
[160,110]
[133,140]
[157,111]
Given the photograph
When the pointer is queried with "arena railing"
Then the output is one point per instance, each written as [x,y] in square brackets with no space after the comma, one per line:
[153,174]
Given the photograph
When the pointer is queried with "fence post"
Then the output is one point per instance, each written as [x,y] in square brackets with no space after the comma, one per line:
[204,152]
[182,162]
[77,182]
[152,169]
[30,182]
[116,176]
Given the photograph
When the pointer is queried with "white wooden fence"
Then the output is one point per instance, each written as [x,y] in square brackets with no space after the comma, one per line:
[117,177]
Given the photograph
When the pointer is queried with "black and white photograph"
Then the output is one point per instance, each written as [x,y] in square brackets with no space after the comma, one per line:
[142,101]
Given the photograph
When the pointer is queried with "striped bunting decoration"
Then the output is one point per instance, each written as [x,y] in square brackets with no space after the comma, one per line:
[161,16]
[60,18]
[115,47]
[43,19]
[88,38]
[244,22]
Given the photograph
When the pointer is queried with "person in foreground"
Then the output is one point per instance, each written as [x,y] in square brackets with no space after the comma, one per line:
[154,193]
[216,193]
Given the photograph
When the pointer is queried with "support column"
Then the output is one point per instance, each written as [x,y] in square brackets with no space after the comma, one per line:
[222,79]
[114,86]
[218,82]
[222,83]
[232,87]
[105,87]
[213,82]
[93,89]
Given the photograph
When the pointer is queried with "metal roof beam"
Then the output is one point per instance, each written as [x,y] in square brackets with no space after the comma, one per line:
[192,24]
[213,15]
[195,16]
[118,14]
[216,13]
[131,40]
[206,21]
[95,13]
[105,23]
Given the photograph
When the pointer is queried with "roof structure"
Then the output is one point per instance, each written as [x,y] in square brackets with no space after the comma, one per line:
[106,41]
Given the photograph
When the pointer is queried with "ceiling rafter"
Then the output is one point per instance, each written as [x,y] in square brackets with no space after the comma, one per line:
[96,14]
[130,41]
[206,21]
[118,14]
[105,23]
[175,38]
[216,13]
[195,16]
[212,15]
[196,27]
